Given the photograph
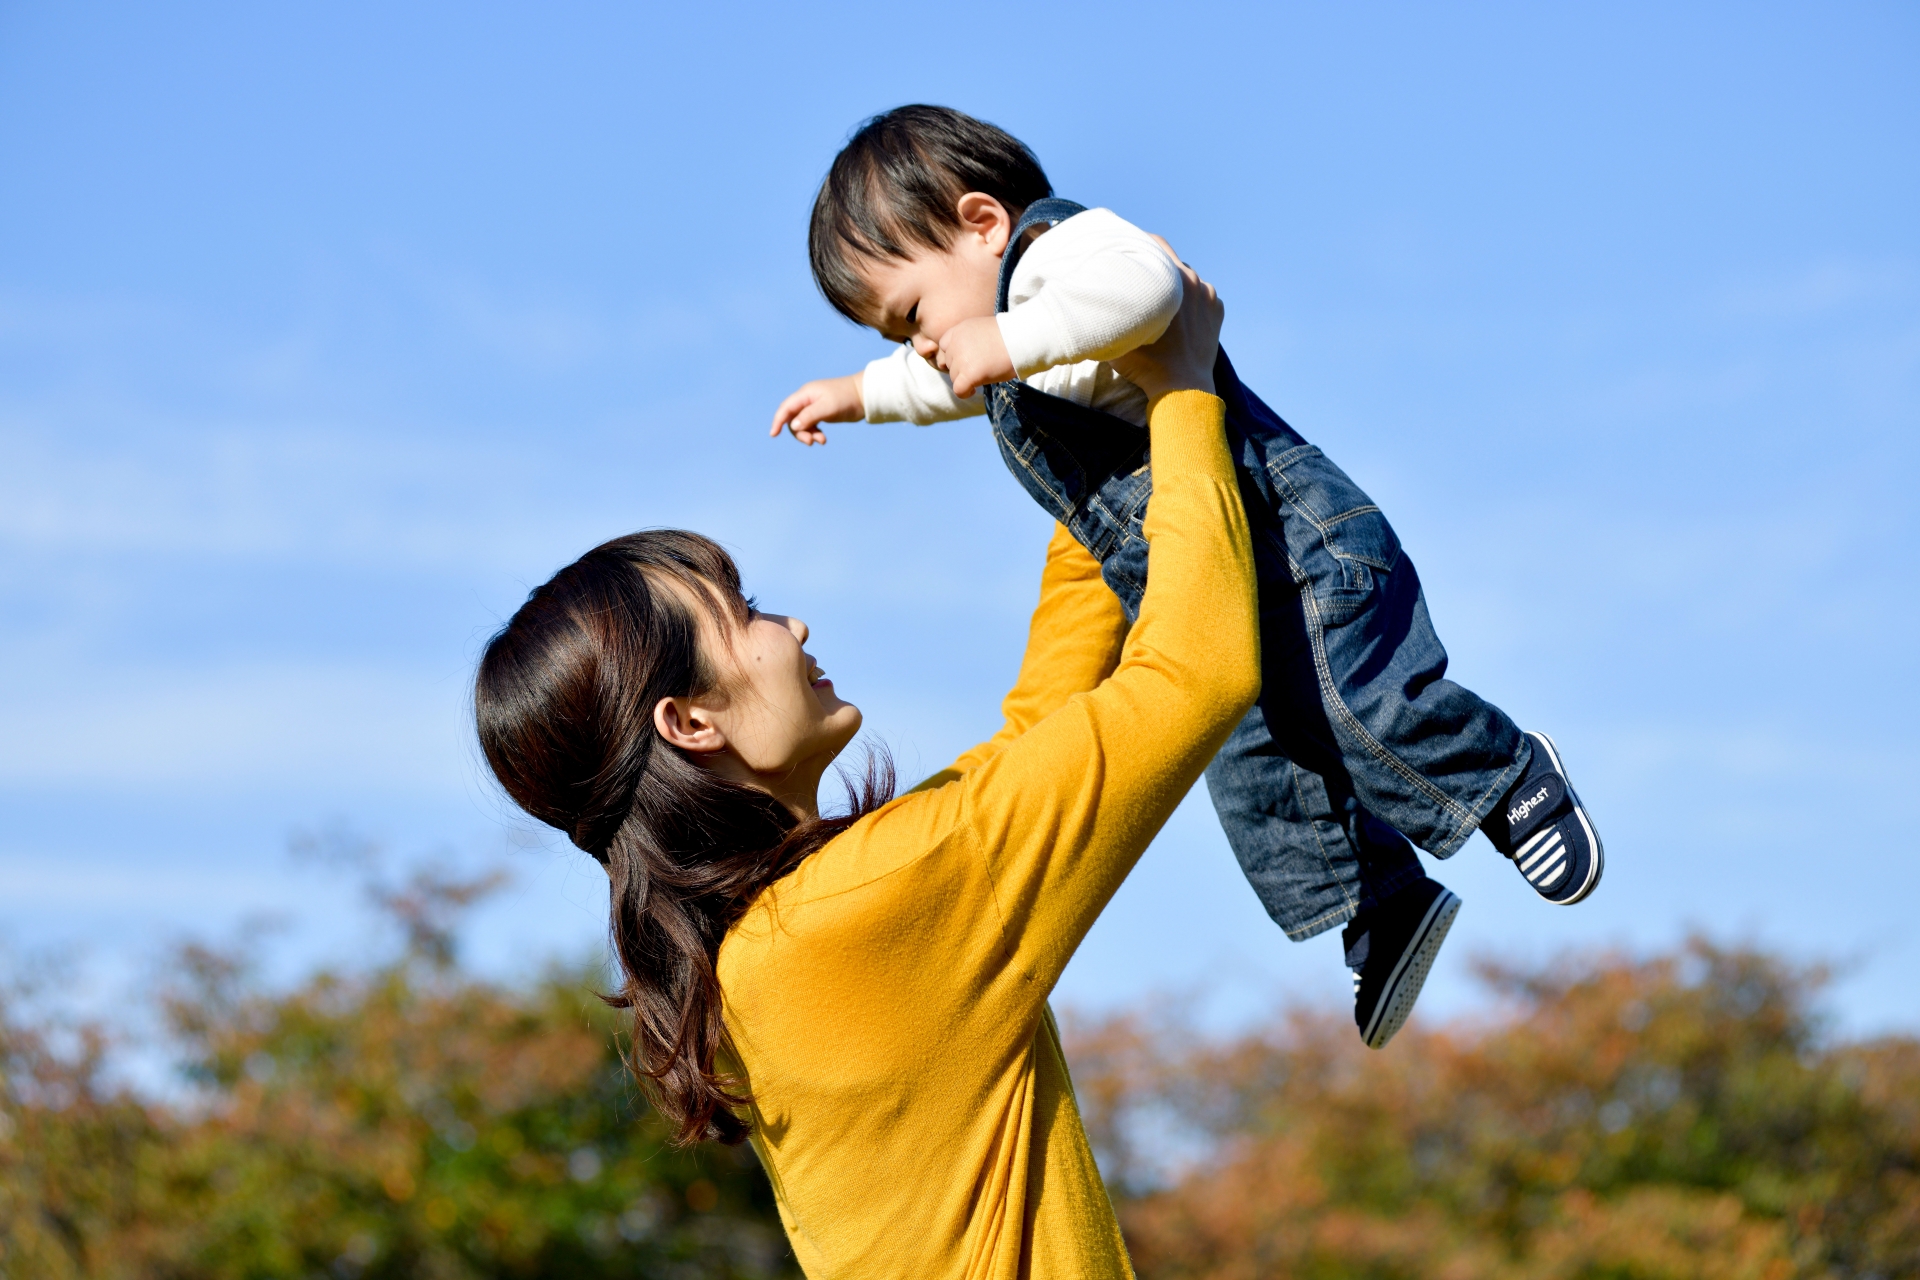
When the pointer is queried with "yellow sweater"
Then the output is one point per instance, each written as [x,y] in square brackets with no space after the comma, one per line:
[887,1000]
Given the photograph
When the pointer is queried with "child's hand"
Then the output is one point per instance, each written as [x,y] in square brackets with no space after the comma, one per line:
[972,354]
[827,400]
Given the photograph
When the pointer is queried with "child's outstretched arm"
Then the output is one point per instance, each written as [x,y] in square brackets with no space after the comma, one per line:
[898,387]
[823,400]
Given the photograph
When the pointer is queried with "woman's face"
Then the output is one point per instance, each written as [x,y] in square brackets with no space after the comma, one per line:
[777,711]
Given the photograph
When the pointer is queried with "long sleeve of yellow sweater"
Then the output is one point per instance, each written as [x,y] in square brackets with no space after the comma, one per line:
[887,1000]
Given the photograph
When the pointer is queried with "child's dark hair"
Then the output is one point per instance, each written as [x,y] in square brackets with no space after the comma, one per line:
[894,187]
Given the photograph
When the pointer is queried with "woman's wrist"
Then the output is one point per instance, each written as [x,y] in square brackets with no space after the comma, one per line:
[1158,388]
[1188,434]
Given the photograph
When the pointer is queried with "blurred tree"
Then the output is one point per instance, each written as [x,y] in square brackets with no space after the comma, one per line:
[1612,1119]
[407,1121]
[71,1144]
[1674,1117]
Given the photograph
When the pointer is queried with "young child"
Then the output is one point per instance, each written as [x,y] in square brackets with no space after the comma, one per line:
[940,231]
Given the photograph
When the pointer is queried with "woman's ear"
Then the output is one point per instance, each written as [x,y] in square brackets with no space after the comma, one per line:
[688,725]
[986,217]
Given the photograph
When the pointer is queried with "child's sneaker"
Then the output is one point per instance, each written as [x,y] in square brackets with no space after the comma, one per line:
[1543,827]
[1390,949]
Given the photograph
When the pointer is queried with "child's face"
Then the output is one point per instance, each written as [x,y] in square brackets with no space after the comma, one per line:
[918,299]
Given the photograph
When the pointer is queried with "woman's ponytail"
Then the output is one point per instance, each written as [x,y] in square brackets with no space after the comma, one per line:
[563,702]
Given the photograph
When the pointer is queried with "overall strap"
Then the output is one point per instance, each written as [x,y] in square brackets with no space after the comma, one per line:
[1049,211]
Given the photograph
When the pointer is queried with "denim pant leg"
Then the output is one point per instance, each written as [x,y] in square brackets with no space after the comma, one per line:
[1311,852]
[1426,755]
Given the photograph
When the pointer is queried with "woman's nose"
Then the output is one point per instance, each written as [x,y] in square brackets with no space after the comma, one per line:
[798,628]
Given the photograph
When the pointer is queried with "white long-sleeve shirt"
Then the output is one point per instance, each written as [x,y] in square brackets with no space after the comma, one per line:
[1089,289]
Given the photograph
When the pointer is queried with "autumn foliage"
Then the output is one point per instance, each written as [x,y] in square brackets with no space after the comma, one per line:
[405,1121]
[1623,1118]
[1614,1118]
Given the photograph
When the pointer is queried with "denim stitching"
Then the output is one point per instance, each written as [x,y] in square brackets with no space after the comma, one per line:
[1321,923]
[1370,508]
[1277,465]
[1277,473]
[1308,514]
[1384,566]
[1489,798]
[1316,634]
[1023,455]
[1346,899]
[1330,694]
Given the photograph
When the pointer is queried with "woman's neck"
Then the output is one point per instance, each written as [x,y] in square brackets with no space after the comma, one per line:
[797,789]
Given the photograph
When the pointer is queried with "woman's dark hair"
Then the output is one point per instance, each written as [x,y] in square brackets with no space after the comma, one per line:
[893,188]
[564,703]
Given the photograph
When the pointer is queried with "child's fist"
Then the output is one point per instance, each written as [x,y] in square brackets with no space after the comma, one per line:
[972,354]
[827,400]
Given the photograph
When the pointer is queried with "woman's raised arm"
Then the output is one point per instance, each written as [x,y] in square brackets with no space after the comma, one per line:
[1063,813]
[1074,640]
[1073,643]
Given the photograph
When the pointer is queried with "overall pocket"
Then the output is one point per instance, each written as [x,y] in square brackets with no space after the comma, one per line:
[1334,532]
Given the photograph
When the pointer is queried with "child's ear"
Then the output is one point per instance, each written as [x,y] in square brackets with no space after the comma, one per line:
[984,216]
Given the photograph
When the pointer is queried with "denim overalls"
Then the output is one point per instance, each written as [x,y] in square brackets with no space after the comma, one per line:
[1357,736]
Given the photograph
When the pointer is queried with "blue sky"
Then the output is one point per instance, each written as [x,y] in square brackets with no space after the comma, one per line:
[327,331]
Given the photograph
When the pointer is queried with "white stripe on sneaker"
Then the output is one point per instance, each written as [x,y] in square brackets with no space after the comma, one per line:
[1548,856]
[1532,840]
[1549,873]
[1596,852]
[1542,851]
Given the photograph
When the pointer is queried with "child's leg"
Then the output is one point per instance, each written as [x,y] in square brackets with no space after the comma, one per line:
[1312,852]
[1425,754]
[1285,800]
[1428,754]
[1314,857]
[1303,845]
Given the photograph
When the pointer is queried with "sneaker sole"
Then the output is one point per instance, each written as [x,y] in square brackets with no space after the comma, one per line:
[1410,974]
[1599,862]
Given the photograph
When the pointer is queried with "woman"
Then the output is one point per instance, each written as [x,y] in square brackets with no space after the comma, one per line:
[866,997]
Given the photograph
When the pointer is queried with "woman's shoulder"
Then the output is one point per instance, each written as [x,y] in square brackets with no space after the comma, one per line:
[861,870]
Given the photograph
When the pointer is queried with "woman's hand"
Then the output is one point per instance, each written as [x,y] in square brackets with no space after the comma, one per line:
[1182,358]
